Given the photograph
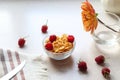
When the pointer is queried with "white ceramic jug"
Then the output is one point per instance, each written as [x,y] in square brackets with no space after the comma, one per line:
[111,5]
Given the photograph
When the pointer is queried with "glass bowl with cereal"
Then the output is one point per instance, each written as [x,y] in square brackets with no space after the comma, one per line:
[59,47]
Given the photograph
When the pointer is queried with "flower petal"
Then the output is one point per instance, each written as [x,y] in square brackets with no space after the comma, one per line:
[89,18]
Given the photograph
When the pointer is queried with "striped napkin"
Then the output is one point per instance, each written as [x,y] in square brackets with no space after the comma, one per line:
[35,68]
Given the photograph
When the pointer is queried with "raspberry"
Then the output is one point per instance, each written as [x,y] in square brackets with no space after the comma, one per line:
[100,59]
[105,72]
[21,42]
[82,66]
[70,38]
[44,28]
[52,38]
[49,46]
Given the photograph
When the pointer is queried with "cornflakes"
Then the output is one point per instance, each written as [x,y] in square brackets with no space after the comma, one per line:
[61,44]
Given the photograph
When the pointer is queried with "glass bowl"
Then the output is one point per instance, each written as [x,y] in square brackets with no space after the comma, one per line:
[58,55]
[107,34]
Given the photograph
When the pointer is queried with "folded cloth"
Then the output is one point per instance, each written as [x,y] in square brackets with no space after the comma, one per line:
[35,68]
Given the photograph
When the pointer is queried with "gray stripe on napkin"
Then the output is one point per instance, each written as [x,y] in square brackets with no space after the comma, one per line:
[2,59]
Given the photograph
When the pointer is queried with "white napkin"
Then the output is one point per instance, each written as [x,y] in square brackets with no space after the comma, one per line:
[35,68]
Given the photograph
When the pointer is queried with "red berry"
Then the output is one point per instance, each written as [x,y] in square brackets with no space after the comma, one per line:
[100,59]
[21,42]
[70,38]
[44,28]
[49,46]
[106,72]
[82,66]
[52,38]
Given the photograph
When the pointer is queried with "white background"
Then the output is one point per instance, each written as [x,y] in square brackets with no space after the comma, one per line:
[25,18]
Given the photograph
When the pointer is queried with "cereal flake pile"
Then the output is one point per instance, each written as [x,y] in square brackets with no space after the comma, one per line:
[59,44]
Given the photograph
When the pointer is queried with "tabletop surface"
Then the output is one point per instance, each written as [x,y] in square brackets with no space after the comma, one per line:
[25,18]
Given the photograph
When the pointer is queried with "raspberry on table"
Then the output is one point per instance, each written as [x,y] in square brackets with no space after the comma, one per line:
[106,72]
[44,29]
[100,59]
[82,66]
[21,42]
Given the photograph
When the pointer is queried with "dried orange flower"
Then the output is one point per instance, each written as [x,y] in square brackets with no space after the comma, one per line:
[89,18]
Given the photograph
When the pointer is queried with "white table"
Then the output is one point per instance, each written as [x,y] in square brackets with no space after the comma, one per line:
[23,18]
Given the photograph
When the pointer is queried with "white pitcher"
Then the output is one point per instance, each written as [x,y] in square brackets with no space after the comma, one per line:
[111,5]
